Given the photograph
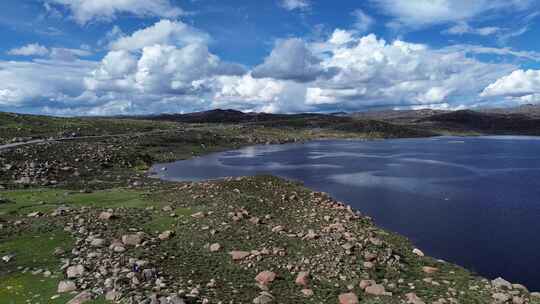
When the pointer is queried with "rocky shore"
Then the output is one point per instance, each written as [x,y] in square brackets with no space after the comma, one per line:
[81,223]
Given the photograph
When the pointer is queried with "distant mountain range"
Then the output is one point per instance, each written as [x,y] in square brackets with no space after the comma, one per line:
[520,120]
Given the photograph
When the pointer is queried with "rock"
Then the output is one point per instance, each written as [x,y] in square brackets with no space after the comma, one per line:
[366,283]
[113,295]
[302,279]
[82,297]
[97,243]
[375,290]
[266,277]
[131,239]
[501,283]
[500,297]
[198,215]
[35,214]
[75,271]
[66,286]
[174,299]
[348,298]
[165,235]
[412,298]
[517,300]
[429,270]
[149,274]
[311,235]
[8,258]
[307,292]
[418,252]
[535,295]
[58,251]
[105,216]
[167,208]
[265,298]
[239,255]
[277,229]
[370,256]
[215,248]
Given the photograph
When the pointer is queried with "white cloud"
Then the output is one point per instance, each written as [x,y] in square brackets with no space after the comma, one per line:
[291,60]
[37,50]
[40,82]
[340,36]
[164,32]
[463,27]
[363,22]
[86,10]
[168,67]
[33,49]
[506,51]
[295,4]
[166,59]
[420,12]
[373,72]
[261,95]
[519,83]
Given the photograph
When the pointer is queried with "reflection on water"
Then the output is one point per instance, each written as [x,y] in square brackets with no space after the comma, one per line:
[472,201]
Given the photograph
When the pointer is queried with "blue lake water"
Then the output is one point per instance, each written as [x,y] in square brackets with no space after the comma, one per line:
[472,201]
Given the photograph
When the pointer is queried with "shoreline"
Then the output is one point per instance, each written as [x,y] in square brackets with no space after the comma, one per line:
[155,174]
[330,242]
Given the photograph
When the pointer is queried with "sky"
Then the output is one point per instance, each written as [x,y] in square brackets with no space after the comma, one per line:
[110,57]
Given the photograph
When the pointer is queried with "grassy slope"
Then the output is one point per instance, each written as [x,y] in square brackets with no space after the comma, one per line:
[35,126]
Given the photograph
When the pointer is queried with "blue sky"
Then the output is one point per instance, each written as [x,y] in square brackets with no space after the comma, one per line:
[105,57]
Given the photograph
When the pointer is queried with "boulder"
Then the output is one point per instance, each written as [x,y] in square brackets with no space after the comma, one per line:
[165,235]
[375,290]
[66,286]
[82,297]
[366,283]
[215,248]
[348,298]
[131,239]
[105,216]
[302,279]
[266,277]
[418,252]
[412,298]
[75,271]
[239,255]
[429,270]
[501,283]
[265,298]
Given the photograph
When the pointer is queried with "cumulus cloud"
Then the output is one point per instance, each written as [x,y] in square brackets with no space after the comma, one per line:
[373,72]
[519,83]
[291,59]
[167,58]
[84,11]
[41,82]
[168,67]
[295,4]
[33,49]
[420,12]
[164,32]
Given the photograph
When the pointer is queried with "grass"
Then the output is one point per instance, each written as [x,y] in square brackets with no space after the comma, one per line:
[45,200]
[32,250]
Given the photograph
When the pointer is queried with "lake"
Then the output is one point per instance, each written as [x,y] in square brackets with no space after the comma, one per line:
[472,201]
